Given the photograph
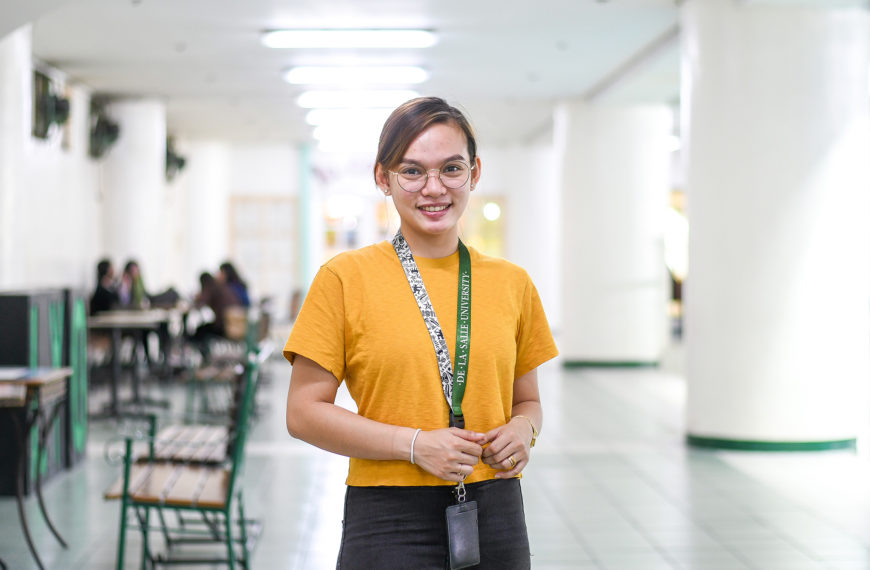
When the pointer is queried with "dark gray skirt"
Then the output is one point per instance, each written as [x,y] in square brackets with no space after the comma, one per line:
[404,527]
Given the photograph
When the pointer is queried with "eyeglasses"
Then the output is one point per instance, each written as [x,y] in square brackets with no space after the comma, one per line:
[452,175]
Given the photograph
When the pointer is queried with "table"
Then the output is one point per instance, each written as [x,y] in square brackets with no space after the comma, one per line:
[138,323]
[40,392]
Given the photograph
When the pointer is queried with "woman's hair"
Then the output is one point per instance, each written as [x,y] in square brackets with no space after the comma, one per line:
[231,274]
[412,118]
[130,265]
[103,268]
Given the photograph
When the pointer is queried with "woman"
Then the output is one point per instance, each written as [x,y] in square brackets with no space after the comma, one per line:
[362,323]
[219,298]
[105,297]
[229,276]
[132,288]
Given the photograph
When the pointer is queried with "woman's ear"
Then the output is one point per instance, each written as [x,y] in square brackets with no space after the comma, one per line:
[475,174]
[382,179]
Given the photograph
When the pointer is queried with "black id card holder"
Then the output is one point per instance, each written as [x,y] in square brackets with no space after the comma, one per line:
[462,538]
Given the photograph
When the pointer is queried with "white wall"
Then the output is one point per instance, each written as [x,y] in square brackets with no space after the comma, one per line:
[49,195]
[263,170]
[525,176]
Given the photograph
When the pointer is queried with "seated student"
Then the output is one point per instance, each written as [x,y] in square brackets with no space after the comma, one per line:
[218,297]
[105,297]
[233,280]
[131,289]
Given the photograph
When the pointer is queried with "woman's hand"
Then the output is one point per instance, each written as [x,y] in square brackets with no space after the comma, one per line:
[449,453]
[508,449]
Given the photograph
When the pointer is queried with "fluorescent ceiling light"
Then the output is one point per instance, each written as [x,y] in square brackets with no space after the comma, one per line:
[353,99]
[345,146]
[369,133]
[375,116]
[347,138]
[355,75]
[349,38]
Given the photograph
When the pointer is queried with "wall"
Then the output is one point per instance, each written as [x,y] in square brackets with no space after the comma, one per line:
[525,175]
[49,195]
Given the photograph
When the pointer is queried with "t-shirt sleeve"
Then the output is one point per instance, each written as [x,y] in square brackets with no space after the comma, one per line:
[535,344]
[318,333]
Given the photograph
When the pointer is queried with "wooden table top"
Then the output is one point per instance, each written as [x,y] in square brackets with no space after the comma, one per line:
[15,381]
[24,376]
[150,318]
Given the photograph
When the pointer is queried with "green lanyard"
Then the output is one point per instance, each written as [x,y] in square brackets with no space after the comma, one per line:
[452,381]
[463,331]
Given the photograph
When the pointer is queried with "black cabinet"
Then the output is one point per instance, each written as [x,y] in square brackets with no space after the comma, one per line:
[31,334]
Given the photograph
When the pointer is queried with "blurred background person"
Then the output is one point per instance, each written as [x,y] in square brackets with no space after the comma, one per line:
[131,289]
[218,297]
[105,297]
[234,281]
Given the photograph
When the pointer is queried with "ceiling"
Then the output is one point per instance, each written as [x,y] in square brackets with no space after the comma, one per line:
[507,62]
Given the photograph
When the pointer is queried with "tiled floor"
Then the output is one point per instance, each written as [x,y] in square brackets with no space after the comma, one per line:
[611,486]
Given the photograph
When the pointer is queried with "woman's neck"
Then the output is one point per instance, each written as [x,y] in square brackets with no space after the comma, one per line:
[432,246]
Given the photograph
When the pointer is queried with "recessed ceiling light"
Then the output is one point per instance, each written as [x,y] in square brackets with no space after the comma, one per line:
[355,75]
[353,99]
[349,38]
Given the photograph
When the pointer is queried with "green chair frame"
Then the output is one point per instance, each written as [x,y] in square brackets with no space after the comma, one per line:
[219,519]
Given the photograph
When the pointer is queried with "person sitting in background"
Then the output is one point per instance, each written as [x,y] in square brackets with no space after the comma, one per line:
[131,290]
[233,280]
[105,297]
[218,297]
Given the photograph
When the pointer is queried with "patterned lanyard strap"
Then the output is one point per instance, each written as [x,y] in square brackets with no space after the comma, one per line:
[453,384]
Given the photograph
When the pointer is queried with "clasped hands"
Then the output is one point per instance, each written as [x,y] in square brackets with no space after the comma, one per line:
[452,453]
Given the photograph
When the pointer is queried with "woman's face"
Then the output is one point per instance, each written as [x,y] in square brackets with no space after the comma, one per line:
[435,210]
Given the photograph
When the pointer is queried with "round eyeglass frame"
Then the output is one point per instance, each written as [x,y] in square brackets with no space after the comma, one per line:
[440,179]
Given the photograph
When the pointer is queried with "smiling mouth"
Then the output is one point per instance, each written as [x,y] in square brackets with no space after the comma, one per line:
[434,208]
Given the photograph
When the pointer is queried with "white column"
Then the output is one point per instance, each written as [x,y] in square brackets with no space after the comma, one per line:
[526,177]
[15,78]
[776,116]
[615,175]
[207,180]
[134,181]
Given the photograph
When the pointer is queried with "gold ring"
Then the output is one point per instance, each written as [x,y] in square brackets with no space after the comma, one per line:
[513,461]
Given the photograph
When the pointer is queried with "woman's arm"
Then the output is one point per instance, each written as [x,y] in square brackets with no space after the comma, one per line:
[312,416]
[513,439]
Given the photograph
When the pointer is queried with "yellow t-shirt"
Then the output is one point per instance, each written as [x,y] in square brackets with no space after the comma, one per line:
[361,322]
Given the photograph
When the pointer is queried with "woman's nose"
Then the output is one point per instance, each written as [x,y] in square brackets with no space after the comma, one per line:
[436,187]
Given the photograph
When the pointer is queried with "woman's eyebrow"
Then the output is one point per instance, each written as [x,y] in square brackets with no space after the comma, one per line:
[448,159]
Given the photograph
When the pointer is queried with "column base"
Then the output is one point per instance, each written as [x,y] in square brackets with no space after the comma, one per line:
[751,445]
[610,364]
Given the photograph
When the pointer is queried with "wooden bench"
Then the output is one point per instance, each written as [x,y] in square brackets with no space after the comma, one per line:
[173,484]
[179,475]
[192,444]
